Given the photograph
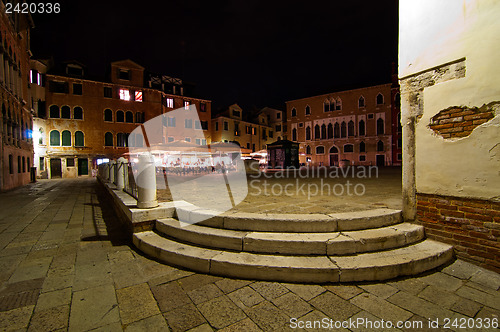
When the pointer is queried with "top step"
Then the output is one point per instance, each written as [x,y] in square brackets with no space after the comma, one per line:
[289,223]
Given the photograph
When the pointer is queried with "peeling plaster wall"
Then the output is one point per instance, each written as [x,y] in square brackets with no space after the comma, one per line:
[433,33]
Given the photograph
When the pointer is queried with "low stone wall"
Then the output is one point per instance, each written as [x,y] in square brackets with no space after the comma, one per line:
[472,226]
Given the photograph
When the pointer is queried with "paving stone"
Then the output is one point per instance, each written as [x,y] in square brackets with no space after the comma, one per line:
[409,285]
[31,269]
[334,306]
[245,297]
[306,292]
[204,293]
[443,281]
[18,300]
[482,288]
[419,306]
[438,296]
[54,299]
[268,317]
[170,296]
[154,323]
[466,307]
[16,318]
[381,290]
[50,319]
[113,327]
[163,276]
[461,269]
[345,291]
[202,328]
[93,307]
[229,285]
[292,305]
[184,318]
[479,296]
[57,281]
[196,281]
[246,325]
[269,290]
[92,275]
[490,313]
[487,278]
[136,302]
[221,312]
[380,307]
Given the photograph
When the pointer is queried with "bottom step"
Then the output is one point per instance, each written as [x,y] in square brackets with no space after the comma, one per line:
[410,260]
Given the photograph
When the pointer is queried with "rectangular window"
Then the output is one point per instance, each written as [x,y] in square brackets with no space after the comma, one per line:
[171,122]
[301,124]
[248,130]
[11,164]
[278,128]
[362,158]
[248,145]
[400,143]
[124,74]
[138,96]
[278,115]
[370,116]
[236,113]
[33,76]
[203,107]
[77,89]
[70,162]
[170,102]
[42,164]
[216,126]
[124,94]
[197,124]
[19,164]
[271,133]
[188,123]
[188,139]
[226,125]
[186,105]
[264,134]
[198,141]
[400,157]
[254,130]
[170,139]
[58,87]
[108,92]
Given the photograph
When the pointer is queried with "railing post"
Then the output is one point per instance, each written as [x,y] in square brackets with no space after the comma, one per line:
[120,176]
[112,165]
[146,183]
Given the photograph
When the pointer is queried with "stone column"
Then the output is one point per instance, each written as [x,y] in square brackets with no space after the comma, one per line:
[105,172]
[120,177]
[112,168]
[409,185]
[146,183]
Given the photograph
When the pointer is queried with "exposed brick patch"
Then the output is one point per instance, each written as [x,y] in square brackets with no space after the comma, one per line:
[456,122]
[472,226]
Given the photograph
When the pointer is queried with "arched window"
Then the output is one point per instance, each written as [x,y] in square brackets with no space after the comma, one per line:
[108,139]
[120,116]
[55,138]
[79,139]
[317,132]
[323,131]
[78,113]
[308,149]
[294,134]
[308,110]
[308,133]
[380,126]
[65,112]
[108,115]
[294,112]
[380,99]
[338,105]
[361,102]
[66,138]
[350,128]
[343,129]
[54,112]
[334,149]
[332,105]
[326,106]
[380,146]
[348,148]
[320,150]
[330,131]
[361,130]
[129,117]
[336,130]
[362,147]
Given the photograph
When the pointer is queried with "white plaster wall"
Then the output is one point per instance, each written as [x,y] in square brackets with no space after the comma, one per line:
[435,32]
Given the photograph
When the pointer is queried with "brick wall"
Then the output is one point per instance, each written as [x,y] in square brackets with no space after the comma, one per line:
[471,225]
[456,122]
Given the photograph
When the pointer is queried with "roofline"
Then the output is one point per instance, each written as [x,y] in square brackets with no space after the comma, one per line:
[330,93]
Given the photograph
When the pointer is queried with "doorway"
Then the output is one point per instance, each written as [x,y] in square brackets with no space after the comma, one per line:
[55,168]
[83,166]
[334,156]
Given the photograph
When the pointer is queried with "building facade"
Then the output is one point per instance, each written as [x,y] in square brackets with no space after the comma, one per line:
[16,155]
[355,127]
[86,121]
[229,126]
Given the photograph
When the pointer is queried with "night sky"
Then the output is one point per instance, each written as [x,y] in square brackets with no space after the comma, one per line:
[253,52]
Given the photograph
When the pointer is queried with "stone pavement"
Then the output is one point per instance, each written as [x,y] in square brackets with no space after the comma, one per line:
[65,265]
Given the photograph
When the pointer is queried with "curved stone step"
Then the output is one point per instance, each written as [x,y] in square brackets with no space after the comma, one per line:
[332,243]
[409,260]
[290,223]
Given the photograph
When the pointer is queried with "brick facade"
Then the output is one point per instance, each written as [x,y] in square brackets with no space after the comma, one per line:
[471,225]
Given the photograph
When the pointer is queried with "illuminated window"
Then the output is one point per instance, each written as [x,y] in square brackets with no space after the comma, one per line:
[138,96]
[124,94]
[186,105]
[170,102]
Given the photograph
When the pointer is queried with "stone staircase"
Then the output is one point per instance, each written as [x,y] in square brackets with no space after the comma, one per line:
[312,248]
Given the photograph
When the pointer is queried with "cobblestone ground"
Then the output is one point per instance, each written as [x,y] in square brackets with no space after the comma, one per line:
[328,190]
[65,265]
